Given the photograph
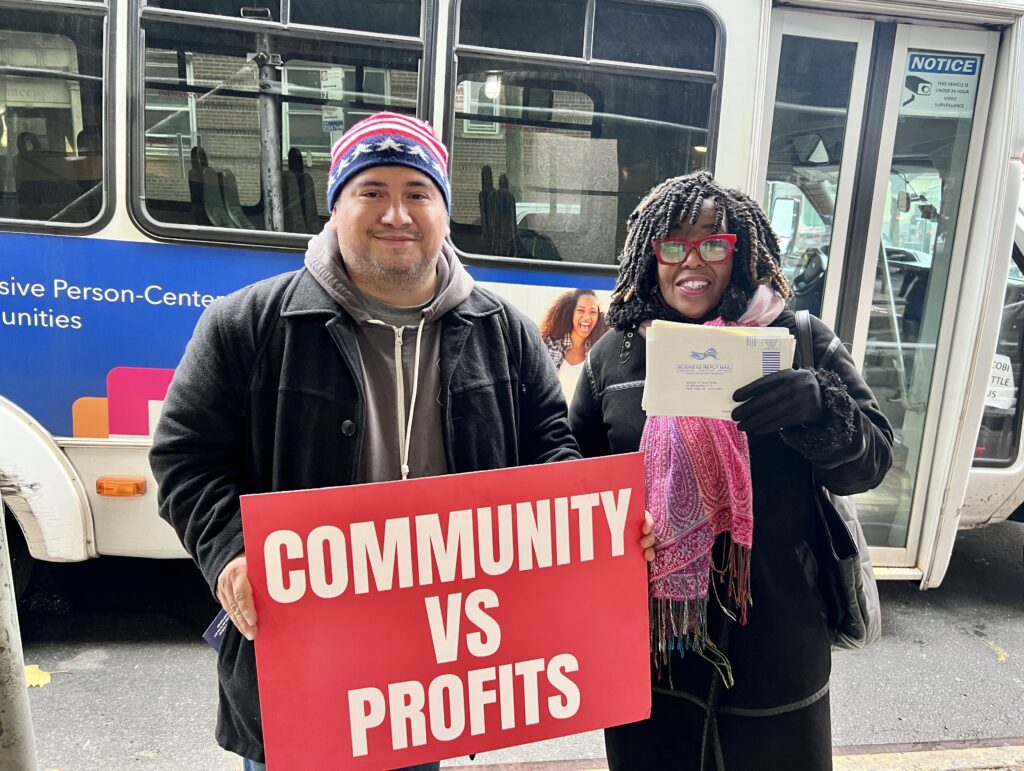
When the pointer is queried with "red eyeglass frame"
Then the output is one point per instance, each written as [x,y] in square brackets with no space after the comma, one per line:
[729,238]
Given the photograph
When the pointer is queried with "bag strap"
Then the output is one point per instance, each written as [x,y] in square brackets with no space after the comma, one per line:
[805,343]
[803,339]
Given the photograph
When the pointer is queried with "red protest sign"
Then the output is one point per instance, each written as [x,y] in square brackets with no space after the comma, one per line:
[405,622]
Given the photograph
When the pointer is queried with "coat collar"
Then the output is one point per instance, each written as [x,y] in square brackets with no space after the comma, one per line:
[305,296]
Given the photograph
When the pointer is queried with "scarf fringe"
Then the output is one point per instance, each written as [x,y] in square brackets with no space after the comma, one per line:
[682,625]
[739,579]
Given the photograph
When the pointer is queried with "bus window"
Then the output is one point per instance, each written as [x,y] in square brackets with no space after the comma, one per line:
[999,436]
[808,133]
[650,34]
[549,159]
[393,17]
[51,116]
[536,26]
[203,128]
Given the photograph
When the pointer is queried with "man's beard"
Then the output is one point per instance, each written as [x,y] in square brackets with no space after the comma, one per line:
[386,278]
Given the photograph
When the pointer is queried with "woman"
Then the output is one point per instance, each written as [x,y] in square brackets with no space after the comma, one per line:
[573,323]
[742,635]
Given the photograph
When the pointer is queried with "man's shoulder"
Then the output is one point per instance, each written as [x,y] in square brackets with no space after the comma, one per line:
[257,294]
[256,302]
[240,319]
[485,302]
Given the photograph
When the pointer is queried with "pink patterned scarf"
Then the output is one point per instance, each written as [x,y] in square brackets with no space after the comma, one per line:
[697,474]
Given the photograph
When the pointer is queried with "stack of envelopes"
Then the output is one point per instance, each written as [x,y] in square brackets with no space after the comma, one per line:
[694,370]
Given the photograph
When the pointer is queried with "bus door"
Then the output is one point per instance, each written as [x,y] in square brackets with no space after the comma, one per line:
[873,148]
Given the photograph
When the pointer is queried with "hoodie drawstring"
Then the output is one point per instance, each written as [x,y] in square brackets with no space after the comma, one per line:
[405,425]
[407,444]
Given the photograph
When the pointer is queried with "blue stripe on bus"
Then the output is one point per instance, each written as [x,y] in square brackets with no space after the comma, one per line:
[541,278]
[58,347]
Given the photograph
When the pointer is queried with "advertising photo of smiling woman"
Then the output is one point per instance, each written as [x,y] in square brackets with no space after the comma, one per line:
[572,324]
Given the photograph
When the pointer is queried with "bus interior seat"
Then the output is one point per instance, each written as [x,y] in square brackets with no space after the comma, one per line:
[306,193]
[291,203]
[200,162]
[89,142]
[534,245]
[42,191]
[90,165]
[28,187]
[233,206]
[213,200]
[550,223]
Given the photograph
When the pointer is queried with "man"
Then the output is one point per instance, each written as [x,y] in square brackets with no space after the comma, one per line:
[380,360]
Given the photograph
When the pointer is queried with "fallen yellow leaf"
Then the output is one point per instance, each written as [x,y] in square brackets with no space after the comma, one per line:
[1000,651]
[36,677]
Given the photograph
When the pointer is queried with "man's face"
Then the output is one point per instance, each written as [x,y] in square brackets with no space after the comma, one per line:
[390,222]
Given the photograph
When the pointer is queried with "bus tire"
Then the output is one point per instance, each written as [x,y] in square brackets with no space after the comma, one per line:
[22,563]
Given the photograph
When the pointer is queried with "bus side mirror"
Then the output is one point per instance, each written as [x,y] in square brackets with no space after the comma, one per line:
[903,201]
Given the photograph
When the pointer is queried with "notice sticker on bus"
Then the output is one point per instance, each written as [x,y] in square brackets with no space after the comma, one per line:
[938,84]
[1001,394]
[332,89]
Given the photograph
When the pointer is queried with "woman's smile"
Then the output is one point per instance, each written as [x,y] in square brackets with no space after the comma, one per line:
[693,286]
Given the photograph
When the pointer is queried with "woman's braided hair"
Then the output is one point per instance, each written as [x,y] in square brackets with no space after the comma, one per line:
[756,258]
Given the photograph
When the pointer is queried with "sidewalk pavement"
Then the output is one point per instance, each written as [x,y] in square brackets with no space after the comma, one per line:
[987,755]
[982,755]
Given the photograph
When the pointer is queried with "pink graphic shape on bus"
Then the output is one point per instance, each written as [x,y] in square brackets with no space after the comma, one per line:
[130,391]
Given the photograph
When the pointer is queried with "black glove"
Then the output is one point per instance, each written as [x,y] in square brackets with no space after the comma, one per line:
[789,397]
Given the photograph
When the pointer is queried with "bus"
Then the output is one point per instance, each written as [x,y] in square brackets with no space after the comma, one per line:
[158,154]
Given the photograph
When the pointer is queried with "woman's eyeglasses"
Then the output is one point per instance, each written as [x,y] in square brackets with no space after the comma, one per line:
[715,248]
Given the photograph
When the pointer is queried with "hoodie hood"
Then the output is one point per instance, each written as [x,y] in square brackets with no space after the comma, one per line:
[325,263]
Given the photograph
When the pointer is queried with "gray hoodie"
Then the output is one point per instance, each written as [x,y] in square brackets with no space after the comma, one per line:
[385,335]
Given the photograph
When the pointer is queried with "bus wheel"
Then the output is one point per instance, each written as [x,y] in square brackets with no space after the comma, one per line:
[22,564]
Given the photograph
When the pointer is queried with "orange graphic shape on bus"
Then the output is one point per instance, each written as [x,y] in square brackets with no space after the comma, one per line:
[89,418]
[135,395]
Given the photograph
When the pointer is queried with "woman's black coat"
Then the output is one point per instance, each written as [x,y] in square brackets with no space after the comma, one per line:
[781,658]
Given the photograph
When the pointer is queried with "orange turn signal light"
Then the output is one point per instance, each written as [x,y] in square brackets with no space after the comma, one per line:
[121,487]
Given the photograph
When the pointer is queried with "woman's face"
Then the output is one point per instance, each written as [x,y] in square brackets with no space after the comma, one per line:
[584,317]
[694,287]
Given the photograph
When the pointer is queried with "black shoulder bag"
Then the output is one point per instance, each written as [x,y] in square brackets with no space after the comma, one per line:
[849,581]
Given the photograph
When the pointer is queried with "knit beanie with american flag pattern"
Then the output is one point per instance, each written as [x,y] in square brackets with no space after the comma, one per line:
[388,139]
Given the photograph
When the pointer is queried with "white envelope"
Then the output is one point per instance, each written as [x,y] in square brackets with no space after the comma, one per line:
[694,370]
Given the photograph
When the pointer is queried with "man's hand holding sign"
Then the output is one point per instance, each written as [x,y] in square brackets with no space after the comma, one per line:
[405,622]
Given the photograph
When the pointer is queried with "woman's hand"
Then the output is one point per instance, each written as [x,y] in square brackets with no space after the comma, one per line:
[789,397]
[647,537]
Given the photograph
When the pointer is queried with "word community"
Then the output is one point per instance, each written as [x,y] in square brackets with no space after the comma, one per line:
[417,550]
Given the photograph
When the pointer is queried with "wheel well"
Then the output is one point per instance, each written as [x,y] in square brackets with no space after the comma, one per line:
[41,487]
[1018,514]
[22,564]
